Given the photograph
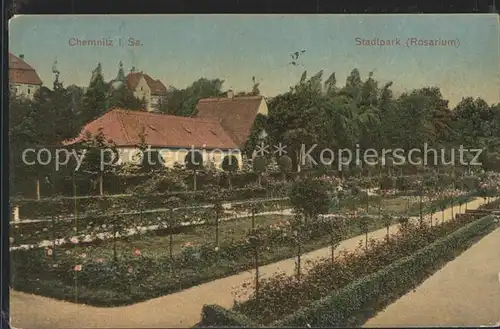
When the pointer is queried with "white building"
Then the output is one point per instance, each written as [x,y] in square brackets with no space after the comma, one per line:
[221,128]
[23,79]
[143,86]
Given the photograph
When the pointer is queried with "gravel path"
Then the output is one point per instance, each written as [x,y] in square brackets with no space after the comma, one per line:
[177,310]
[465,292]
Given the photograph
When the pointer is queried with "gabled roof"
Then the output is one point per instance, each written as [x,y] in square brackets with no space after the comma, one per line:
[236,114]
[21,72]
[156,86]
[124,127]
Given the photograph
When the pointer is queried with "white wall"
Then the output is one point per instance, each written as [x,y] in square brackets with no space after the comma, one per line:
[171,156]
[25,89]
[142,90]
[263,107]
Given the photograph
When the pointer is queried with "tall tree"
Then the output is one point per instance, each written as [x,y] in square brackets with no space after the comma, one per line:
[94,103]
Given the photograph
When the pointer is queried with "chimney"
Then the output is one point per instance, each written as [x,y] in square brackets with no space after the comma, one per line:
[21,56]
[230,94]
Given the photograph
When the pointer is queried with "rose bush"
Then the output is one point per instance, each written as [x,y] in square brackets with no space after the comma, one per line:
[281,295]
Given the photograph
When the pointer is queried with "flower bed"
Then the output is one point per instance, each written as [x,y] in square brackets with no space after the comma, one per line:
[102,282]
[107,284]
[377,278]
[92,225]
[282,295]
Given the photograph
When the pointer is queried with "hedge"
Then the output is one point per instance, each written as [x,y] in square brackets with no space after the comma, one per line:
[396,279]
[216,316]
[371,292]
[32,208]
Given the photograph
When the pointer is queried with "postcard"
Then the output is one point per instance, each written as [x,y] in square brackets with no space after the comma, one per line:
[177,171]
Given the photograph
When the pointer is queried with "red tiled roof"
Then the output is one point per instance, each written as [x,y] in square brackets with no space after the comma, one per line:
[156,86]
[124,127]
[21,72]
[236,114]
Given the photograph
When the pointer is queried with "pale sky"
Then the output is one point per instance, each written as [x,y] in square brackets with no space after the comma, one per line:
[179,49]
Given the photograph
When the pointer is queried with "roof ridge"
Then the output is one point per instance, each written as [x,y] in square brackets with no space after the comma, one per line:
[143,113]
[122,126]
[215,99]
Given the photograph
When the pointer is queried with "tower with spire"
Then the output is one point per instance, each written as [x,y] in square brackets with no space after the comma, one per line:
[119,81]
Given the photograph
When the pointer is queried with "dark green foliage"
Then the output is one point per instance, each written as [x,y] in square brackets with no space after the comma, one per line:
[230,163]
[285,164]
[377,288]
[194,160]
[123,98]
[216,316]
[310,197]
[259,164]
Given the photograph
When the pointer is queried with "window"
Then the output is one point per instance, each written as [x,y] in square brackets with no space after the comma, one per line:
[29,90]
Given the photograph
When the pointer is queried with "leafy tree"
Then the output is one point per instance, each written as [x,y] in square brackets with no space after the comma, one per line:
[230,165]
[151,160]
[183,101]
[285,165]
[310,197]
[124,98]
[194,162]
[95,100]
[259,166]
[100,157]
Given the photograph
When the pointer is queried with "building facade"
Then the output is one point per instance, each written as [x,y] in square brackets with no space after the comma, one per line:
[145,87]
[172,136]
[23,79]
[221,128]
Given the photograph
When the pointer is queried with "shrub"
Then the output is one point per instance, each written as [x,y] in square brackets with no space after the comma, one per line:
[216,316]
[161,183]
[285,164]
[387,183]
[378,288]
[310,197]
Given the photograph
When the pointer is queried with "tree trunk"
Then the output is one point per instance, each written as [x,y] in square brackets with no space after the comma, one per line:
[115,256]
[298,160]
[194,180]
[421,209]
[332,247]
[259,179]
[171,244]
[380,209]
[54,226]
[257,275]
[101,183]
[299,252]
[37,182]
[253,219]
[217,229]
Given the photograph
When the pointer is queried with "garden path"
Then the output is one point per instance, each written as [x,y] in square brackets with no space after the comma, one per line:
[465,292]
[177,310]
